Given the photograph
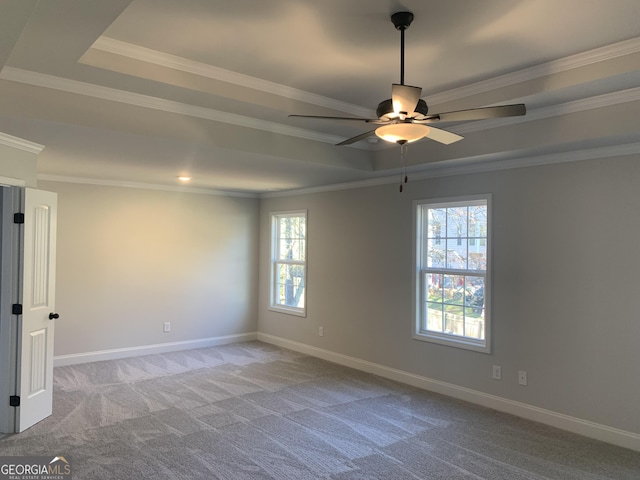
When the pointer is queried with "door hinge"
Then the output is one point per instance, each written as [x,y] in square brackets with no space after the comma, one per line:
[18,218]
[16,309]
[14,401]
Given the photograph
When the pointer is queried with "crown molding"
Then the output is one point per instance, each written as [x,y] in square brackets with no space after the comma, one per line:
[143,186]
[112,94]
[473,165]
[590,57]
[464,166]
[332,188]
[578,60]
[107,93]
[20,144]
[598,101]
[136,52]
[131,98]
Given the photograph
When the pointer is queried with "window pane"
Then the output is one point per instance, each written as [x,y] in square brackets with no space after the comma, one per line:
[434,286]
[478,244]
[453,286]
[474,323]
[297,250]
[434,317]
[475,292]
[456,254]
[284,249]
[291,236]
[437,221]
[436,256]
[290,285]
[454,320]
[302,249]
[457,222]
[477,255]
[478,221]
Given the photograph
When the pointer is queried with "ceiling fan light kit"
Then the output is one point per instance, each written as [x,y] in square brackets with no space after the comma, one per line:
[402,133]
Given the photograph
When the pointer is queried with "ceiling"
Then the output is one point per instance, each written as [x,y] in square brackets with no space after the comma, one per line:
[142,91]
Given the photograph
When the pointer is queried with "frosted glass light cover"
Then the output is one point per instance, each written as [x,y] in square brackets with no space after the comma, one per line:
[402,132]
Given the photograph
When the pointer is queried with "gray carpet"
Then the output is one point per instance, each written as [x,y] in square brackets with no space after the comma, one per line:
[254,411]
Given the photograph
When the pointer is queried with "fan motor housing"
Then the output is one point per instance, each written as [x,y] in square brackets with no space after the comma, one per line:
[386,107]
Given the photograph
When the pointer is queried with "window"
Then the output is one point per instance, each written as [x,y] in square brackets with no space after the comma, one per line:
[452,271]
[289,262]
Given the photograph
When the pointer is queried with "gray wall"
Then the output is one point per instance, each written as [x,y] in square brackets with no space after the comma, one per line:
[131,259]
[566,283]
[18,164]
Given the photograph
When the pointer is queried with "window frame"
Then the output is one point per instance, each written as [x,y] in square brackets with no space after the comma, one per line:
[275,261]
[420,250]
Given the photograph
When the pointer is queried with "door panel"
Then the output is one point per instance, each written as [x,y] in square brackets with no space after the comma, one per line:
[10,238]
[35,379]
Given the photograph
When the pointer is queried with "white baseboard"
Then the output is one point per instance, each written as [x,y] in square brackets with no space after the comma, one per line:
[586,428]
[117,353]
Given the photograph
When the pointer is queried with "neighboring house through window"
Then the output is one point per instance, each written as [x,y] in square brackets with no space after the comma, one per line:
[452,271]
[289,262]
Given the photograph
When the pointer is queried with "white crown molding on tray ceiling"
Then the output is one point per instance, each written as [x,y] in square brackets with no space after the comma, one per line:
[117,47]
[147,101]
[20,144]
[471,165]
[131,98]
[434,170]
[143,185]
[583,104]
[590,57]
[73,86]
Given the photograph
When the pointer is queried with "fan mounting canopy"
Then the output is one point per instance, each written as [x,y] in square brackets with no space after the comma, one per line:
[402,20]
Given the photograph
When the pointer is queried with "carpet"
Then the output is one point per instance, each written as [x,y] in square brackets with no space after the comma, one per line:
[256,411]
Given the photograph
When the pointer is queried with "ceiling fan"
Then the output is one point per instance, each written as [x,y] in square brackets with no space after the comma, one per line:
[405,118]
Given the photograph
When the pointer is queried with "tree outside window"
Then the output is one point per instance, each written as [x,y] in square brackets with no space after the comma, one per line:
[452,272]
[288,280]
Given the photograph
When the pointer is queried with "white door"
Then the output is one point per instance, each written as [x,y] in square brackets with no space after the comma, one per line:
[35,355]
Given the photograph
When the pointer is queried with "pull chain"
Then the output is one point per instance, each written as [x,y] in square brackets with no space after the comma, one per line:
[403,170]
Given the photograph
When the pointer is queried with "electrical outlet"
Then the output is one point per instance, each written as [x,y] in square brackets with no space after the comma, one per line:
[166,327]
[522,377]
[321,331]
[497,372]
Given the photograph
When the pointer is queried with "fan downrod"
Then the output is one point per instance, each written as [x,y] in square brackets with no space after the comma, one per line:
[402,20]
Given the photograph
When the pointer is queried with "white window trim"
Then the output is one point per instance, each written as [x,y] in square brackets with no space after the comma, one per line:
[441,338]
[273,306]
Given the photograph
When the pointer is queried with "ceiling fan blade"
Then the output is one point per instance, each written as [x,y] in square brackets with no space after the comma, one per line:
[338,118]
[355,139]
[484,113]
[405,99]
[443,136]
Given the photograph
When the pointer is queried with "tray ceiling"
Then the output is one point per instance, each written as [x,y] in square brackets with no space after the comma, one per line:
[141,91]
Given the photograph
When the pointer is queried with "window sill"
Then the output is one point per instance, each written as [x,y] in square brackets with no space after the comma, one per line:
[298,312]
[456,342]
